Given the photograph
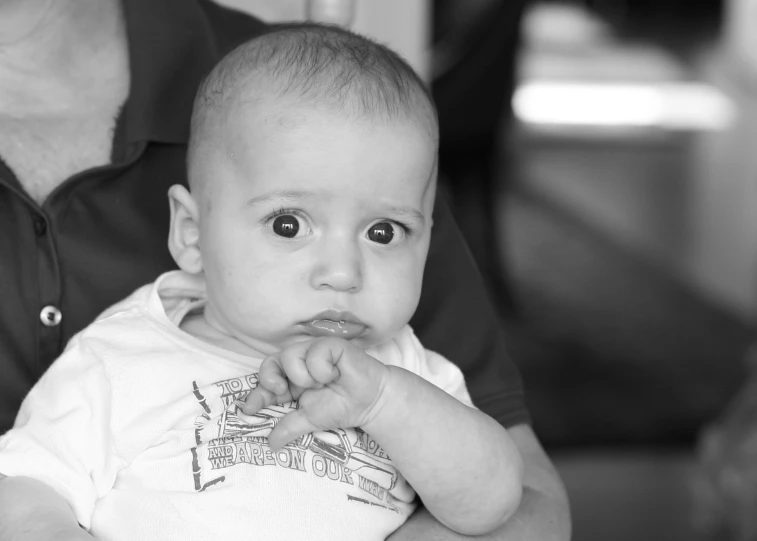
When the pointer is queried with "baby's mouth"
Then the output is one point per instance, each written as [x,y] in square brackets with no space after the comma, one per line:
[339,329]
[336,324]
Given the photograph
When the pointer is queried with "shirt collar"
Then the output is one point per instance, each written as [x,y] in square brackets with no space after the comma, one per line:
[176,293]
[171,48]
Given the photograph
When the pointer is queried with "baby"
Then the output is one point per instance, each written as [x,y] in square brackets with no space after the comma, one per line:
[271,388]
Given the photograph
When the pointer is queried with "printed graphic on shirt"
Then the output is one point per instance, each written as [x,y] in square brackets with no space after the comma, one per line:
[226,437]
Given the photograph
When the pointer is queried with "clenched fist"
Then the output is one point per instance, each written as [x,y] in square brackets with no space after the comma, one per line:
[336,383]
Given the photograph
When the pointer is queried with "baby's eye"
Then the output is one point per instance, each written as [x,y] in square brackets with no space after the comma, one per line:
[286,225]
[382,232]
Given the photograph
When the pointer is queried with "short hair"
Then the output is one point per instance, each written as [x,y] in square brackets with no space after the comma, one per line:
[319,64]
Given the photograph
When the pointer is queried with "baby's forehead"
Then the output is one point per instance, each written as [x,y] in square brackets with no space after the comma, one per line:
[284,117]
[261,137]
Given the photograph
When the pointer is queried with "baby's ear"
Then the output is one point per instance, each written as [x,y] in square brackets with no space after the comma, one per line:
[184,233]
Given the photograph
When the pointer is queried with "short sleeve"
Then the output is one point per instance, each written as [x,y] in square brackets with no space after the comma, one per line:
[445,375]
[406,351]
[456,319]
[62,433]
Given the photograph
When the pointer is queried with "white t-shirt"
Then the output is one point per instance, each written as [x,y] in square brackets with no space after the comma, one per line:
[136,426]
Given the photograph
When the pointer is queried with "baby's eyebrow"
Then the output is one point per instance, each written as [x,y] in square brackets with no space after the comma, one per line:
[407,212]
[280,196]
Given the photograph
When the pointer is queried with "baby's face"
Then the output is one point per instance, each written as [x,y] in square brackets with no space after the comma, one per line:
[316,225]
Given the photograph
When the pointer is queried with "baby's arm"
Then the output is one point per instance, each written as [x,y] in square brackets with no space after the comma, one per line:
[32,511]
[58,456]
[462,463]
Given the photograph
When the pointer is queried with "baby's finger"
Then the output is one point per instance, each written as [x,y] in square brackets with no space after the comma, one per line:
[290,427]
[259,398]
[271,375]
[272,387]
[323,357]
[295,368]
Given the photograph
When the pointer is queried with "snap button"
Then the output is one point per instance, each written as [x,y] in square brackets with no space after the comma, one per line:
[40,225]
[50,316]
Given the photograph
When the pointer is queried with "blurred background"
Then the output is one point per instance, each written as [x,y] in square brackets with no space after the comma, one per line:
[599,156]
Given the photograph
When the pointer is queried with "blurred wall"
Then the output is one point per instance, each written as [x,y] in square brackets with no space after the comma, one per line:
[741,31]
[403,25]
[723,248]
[684,199]
[724,211]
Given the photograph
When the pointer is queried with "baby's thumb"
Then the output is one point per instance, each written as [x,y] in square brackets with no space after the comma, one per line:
[273,387]
[260,398]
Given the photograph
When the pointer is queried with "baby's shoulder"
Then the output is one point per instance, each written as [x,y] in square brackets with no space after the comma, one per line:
[137,302]
[403,350]
[125,326]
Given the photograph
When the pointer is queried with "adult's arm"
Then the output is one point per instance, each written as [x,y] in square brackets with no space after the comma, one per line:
[455,318]
[543,514]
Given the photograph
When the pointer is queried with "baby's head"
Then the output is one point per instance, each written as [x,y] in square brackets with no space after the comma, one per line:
[312,169]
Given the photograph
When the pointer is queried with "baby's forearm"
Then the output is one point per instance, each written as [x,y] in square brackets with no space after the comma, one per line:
[461,462]
[30,510]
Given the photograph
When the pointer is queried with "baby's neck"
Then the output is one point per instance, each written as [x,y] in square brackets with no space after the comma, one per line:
[197,326]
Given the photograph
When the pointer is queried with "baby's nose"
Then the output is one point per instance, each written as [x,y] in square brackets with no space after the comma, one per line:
[339,268]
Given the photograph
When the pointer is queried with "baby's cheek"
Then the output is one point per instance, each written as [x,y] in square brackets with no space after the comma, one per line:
[403,302]
[270,303]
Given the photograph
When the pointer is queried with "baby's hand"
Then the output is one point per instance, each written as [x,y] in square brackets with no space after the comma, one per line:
[337,384]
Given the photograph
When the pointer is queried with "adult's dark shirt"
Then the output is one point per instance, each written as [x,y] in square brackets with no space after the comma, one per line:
[102,233]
